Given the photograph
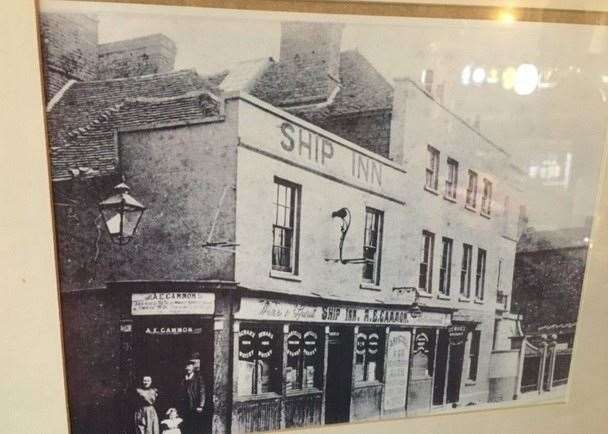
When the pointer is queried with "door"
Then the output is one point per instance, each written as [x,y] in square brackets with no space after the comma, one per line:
[162,347]
[339,375]
[455,362]
[441,365]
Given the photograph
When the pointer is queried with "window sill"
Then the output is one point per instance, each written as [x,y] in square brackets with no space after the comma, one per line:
[485,215]
[259,397]
[470,382]
[425,294]
[284,275]
[361,384]
[470,208]
[479,301]
[431,190]
[449,198]
[370,286]
[465,299]
[441,296]
[305,391]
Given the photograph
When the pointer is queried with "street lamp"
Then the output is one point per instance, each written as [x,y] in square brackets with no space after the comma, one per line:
[121,214]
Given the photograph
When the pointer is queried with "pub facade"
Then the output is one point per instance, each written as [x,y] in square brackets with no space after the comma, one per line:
[321,322]
[309,278]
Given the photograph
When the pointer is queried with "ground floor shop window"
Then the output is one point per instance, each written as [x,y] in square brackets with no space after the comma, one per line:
[369,355]
[304,358]
[423,354]
[259,359]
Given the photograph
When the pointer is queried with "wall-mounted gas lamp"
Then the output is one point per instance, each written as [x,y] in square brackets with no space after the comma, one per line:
[121,214]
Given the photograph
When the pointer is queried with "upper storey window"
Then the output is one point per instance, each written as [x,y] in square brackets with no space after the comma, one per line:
[486,197]
[372,244]
[451,183]
[472,190]
[432,169]
[285,227]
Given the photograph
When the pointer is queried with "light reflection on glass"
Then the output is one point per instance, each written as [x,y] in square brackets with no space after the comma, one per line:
[466,75]
[479,75]
[508,78]
[526,79]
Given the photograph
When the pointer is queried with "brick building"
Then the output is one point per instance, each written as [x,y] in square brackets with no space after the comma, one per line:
[293,320]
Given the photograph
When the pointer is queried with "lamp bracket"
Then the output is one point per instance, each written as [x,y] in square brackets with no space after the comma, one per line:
[344,215]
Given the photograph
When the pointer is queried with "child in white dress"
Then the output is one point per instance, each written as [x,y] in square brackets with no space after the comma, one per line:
[171,425]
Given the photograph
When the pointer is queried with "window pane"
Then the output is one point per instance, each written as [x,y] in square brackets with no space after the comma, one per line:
[371,245]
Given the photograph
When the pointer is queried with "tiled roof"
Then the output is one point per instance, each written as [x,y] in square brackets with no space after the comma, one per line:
[554,239]
[362,89]
[298,81]
[82,123]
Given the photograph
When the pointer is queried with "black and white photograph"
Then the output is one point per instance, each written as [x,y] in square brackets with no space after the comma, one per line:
[277,220]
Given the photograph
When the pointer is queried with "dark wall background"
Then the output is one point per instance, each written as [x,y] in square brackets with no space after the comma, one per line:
[92,352]
[547,285]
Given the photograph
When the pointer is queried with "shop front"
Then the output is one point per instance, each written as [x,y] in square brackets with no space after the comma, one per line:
[164,328]
[298,364]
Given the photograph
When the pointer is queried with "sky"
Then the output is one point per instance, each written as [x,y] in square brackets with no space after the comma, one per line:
[559,129]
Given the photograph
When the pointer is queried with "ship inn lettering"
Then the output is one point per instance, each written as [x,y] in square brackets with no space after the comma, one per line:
[296,240]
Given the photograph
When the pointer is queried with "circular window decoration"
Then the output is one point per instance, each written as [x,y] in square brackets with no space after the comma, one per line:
[310,343]
[361,344]
[246,346]
[294,343]
[265,344]
[372,343]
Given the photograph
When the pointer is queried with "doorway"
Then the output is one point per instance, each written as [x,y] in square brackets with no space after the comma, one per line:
[339,375]
[455,363]
[161,348]
[441,364]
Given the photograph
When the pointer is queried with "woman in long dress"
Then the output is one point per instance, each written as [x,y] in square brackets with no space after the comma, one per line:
[145,417]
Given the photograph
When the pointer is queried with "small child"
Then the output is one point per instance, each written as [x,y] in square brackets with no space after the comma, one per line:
[171,425]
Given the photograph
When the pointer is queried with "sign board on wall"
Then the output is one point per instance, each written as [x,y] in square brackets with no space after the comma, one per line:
[172,303]
[313,149]
[457,334]
[266,309]
[397,361]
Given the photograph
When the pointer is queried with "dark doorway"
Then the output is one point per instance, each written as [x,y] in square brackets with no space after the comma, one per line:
[441,369]
[161,348]
[455,372]
[339,375]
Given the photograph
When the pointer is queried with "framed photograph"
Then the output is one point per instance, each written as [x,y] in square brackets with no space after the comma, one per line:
[268,220]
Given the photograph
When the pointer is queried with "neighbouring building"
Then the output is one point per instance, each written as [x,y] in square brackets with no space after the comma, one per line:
[550,267]
[326,247]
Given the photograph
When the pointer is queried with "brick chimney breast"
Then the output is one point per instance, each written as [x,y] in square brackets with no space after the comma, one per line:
[145,55]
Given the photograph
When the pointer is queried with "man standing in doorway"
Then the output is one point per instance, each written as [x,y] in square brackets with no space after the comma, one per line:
[192,400]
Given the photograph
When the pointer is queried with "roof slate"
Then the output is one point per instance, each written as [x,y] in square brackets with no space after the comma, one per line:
[564,238]
[362,89]
[82,123]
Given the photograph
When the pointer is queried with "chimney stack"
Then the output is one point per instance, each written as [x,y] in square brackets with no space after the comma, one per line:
[134,57]
[69,49]
[317,43]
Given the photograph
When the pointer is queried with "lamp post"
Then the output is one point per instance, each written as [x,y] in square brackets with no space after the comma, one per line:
[121,214]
